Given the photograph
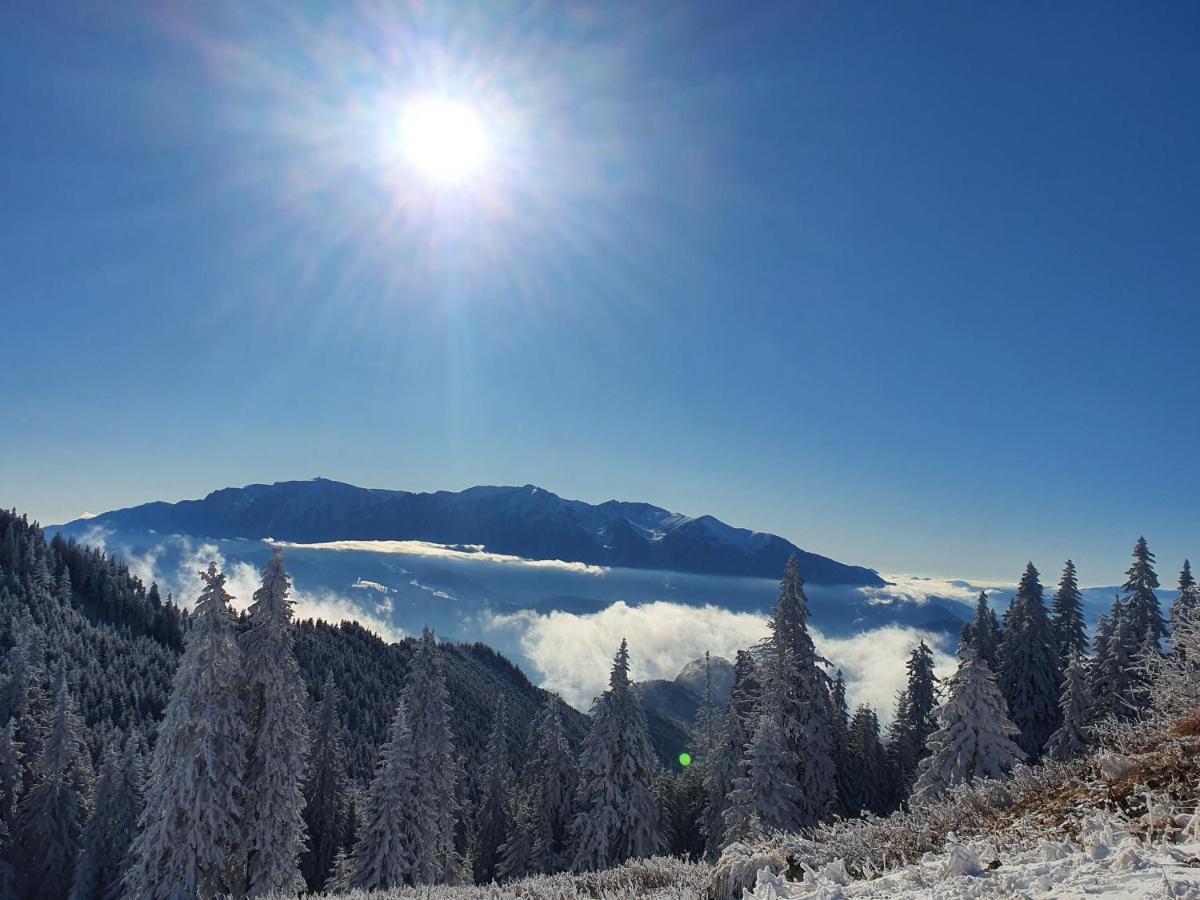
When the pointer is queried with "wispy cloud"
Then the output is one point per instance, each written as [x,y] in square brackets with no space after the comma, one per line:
[457,551]
[573,652]
[920,588]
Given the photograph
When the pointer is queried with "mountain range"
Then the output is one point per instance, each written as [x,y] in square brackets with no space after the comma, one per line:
[525,521]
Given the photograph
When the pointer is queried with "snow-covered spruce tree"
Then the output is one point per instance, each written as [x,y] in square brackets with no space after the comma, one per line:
[915,720]
[555,785]
[802,705]
[52,813]
[975,737]
[1114,685]
[516,854]
[618,819]
[983,633]
[385,854]
[11,767]
[323,791]
[22,696]
[1030,667]
[1141,603]
[275,714]
[428,702]
[189,839]
[1070,636]
[1188,599]
[493,820]
[1072,738]
[765,796]
[840,740]
[743,698]
[870,790]
[732,738]
[106,838]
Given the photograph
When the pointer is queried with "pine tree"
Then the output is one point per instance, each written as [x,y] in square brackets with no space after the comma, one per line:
[839,742]
[555,784]
[385,854]
[984,632]
[1114,687]
[323,791]
[1072,739]
[493,819]
[1030,673]
[805,710]
[743,698]
[1145,615]
[732,738]
[765,796]
[1188,599]
[869,787]
[516,856]
[273,826]
[428,702]
[53,811]
[110,830]
[975,737]
[1070,634]
[915,718]
[189,838]
[618,818]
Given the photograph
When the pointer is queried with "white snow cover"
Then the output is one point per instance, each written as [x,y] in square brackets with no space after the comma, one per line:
[1106,861]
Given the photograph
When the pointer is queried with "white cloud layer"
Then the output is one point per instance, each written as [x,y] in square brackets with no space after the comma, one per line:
[573,653]
[458,551]
[919,588]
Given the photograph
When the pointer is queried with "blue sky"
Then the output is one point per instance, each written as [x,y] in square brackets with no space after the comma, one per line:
[915,286]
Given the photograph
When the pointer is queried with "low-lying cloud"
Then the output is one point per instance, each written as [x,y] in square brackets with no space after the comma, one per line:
[457,551]
[573,652]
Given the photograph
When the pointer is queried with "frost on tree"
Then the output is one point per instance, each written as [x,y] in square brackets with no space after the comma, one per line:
[1030,667]
[1072,738]
[323,816]
[915,719]
[1114,682]
[732,737]
[1187,600]
[428,702]
[975,737]
[983,634]
[1140,601]
[869,782]
[765,796]
[275,712]
[802,704]
[52,813]
[493,818]
[385,855]
[190,838]
[1070,635]
[618,818]
[109,832]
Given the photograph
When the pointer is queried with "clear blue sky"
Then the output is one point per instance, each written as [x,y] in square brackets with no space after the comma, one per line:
[915,285]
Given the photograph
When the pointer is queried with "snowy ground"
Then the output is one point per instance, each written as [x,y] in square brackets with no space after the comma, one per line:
[1105,860]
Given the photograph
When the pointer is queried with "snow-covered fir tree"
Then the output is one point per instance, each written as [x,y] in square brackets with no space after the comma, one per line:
[1188,598]
[765,796]
[52,813]
[189,840]
[555,782]
[914,721]
[618,818]
[516,857]
[1070,635]
[1114,683]
[732,738]
[1030,667]
[493,818]
[983,633]
[975,737]
[110,830]
[427,700]
[22,696]
[1141,603]
[869,783]
[385,852]
[800,700]
[11,767]
[275,713]
[1071,739]
[323,809]
[839,742]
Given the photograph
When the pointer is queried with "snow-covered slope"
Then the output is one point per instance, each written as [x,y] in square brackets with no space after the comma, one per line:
[524,521]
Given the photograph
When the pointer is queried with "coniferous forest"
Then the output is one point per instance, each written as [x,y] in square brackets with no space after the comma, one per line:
[146,751]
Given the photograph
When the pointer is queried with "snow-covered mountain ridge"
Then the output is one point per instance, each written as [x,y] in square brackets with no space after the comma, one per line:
[524,521]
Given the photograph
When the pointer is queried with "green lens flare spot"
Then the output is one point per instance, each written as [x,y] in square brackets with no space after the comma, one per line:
[685,759]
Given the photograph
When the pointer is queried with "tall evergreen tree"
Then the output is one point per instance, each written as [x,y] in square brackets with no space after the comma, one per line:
[1030,673]
[843,764]
[1072,738]
[53,811]
[915,718]
[22,696]
[618,818]
[189,838]
[273,826]
[106,838]
[765,796]
[727,755]
[1145,614]
[1070,636]
[1188,599]
[428,702]
[323,791]
[11,778]
[1114,686]
[385,853]
[975,737]
[869,787]
[984,632]
[493,820]
[805,710]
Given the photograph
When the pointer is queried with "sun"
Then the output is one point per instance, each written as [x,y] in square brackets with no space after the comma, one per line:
[444,140]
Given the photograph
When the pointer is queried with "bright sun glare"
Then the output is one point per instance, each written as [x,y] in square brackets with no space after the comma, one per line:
[444,140]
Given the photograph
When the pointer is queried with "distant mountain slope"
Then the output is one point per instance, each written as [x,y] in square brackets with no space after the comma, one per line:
[680,698]
[523,521]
